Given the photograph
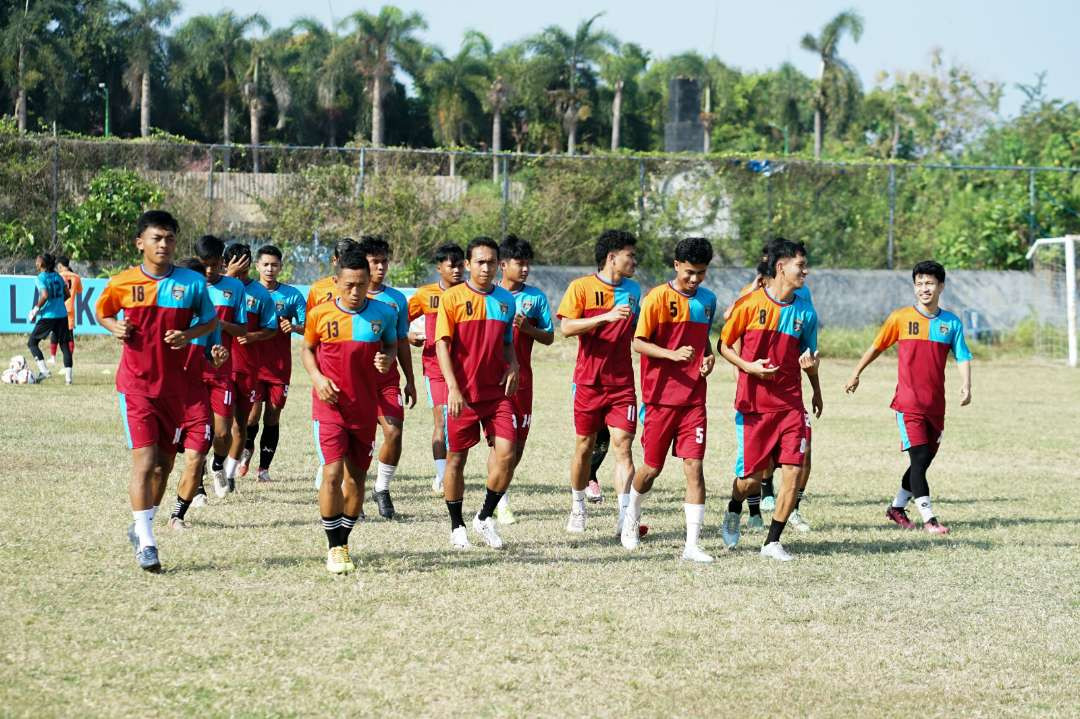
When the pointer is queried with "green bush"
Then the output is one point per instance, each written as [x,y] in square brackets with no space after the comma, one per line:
[102,226]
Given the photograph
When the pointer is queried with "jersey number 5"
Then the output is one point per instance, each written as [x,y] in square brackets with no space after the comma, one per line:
[674,307]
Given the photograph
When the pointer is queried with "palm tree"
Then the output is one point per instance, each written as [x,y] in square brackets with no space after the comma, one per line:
[383,42]
[575,54]
[456,83]
[143,25]
[38,52]
[836,78]
[271,51]
[619,68]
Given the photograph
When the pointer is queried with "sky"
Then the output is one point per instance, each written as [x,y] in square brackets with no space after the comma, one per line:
[1002,40]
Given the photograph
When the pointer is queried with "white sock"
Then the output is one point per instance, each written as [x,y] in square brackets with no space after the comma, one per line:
[67,375]
[144,528]
[440,469]
[923,504]
[624,502]
[902,498]
[504,503]
[382,479]
[41,366]
[634,503]
[578,505]
[153,512]
[230,467]
[695,517]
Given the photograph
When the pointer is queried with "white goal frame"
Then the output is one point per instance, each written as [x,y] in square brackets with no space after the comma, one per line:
[1069,241]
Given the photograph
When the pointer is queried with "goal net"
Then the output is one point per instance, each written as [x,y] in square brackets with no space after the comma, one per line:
[1053,261]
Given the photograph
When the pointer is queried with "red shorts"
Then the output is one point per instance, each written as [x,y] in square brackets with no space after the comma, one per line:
[523,402]
[390,403]
[495,417]
[247,394]
[273,392]
[152,420]
[596,405]
[437,391]
[335,442]
[195,430]
[770,438]
[663,426]
[916,429]
[222,393]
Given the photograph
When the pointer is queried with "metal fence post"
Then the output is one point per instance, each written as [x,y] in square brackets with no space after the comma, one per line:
[55,185]
[210,190]
[505,193]
[641,198]
[890,247]
[768,206]
[1032,223]
[360,178]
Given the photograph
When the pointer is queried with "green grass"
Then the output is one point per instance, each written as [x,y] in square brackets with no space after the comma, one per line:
[869,621]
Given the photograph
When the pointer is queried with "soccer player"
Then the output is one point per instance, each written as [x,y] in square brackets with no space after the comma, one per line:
[322,289]
[227,295]
[164,307]
[348,342]
[924,334]
[474,342]
[532,323]
[74,285]
[450,266]
[49,315]
[672,337]
[601,310]
[262,324]
[275,364]
[775,327]
[392,397]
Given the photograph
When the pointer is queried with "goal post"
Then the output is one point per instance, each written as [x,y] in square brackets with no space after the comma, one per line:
[1054,258]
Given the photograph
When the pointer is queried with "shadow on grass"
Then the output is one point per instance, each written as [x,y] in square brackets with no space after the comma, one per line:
[884,501]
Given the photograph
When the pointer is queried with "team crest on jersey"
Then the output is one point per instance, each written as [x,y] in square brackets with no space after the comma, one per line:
[227,293]
[376,327]
[798,325]
[280,306]
[251,304]
[178,292]
[944,328]
[503,308]
[526,306]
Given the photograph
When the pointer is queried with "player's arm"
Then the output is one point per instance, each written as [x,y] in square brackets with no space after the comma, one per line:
[387,355]
[107,308]
[869,356]
[268,326]
[654,351]
[178,338]
[526,327]
[733,331]
[584,325]
[325,388]
[887,336]
[511,376]
[965,383]
[403,351]
[233,329]
[444,333]
[963,360]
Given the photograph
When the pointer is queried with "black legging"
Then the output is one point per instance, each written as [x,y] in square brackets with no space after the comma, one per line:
[914,479]
[45,326]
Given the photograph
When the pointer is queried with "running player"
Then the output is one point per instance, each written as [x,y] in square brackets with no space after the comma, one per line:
[262,324]
[391,395]
[322,289]
[601,310]
[227,295]
[49,315]
[672,338]
[474,339]
[532,323]
[275,364]
[74,285]
[348,342]
[164,307]
[450,266]
[775,327]
[924,334]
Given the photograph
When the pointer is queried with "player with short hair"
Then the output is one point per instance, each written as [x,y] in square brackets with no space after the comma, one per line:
[227,295]
[348,342]
[74,285]
[924,334]
[247,355]
[601,310]
[322,289]
[165,307]
[449,262]
[274,371]
[672,337]
[474,342]
[776,326]
[49,314]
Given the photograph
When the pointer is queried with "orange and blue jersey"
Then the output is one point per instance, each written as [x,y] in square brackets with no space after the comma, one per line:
[425,301]
[778,332]
[533,304]
[261,315]
[275,364]
[479,325]
[923,346]
[152,306]
[604,353]
[345,343]
[321,290]
[396,300]
[74,285]
[672,319]
[227,296]
[51,285]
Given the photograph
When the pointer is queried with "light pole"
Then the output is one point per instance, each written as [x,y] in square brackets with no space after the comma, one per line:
[105,87]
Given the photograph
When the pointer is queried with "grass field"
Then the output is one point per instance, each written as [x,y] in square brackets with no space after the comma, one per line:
[869,621]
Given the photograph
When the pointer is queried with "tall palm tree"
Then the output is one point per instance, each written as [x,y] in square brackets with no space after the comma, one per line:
[143,26]
[270,52]
[383,42]
[836,78]
[456,83]
[38,52]
[576,54]
[333,58]
[619,68]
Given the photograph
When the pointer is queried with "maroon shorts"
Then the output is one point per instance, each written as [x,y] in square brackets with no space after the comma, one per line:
[247,394]
[391,405]
[917,429]
[770,438]
[335,442]
[195,428]
[523,402]
[152,420]
[663,427]
[437,391]
[598,405]
[222,395]
[495,417]
[275,393]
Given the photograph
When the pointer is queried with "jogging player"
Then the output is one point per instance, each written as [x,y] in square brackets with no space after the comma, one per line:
[74,286]
[49,315]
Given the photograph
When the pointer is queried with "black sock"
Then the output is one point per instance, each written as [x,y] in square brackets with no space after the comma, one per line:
[249,438]
[219,462]
[734,506]
[798,499]
[332,525]
[753,502]
[268,445]
[774,531]
[767,488]
[454,508]
[491,501]
[181,507]
[347,523]
[200,490]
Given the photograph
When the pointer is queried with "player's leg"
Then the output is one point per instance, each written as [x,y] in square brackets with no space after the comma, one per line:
[796,519]
[768,494]
[65,348]
[462,433]
[391,422]
[897,512]
[437,395]
[499,421]
[357,461]
[594,492]
[222,399]
[620,416]
[190,479]
[246,396]
[658,427]
[332,514]
[921,456]
[580,463]
[41,330]
[196,442]
[251,430]
[522,403]
[694,510]
[790,431]
[275,398]
[53,345]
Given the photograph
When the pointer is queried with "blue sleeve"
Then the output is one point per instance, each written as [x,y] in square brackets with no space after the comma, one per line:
[40,284]
[390,327]
[239,300]
[959,344]
[204,306]
[300,304]
[402,317]
[543,312]
[808,337]
[268,313]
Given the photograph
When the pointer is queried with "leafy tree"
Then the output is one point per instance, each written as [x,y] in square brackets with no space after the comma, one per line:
[457,85]
[142,27]
[838,82]
[619,69]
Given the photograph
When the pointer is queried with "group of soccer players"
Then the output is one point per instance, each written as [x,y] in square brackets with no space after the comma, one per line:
[207,355]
